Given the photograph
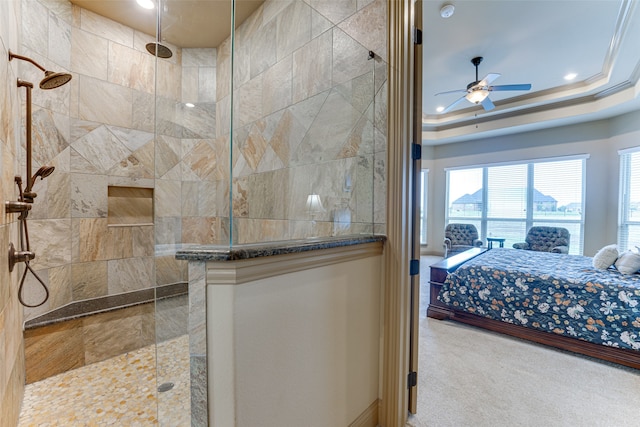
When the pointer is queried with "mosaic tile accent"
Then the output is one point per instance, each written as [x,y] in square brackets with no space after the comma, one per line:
[117,391]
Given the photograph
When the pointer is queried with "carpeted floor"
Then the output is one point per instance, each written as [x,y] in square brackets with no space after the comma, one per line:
[471,377]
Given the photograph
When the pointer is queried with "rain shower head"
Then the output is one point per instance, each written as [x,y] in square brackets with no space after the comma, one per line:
[159,50]
[51,79]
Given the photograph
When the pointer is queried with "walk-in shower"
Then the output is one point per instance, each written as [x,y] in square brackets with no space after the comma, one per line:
[51,80]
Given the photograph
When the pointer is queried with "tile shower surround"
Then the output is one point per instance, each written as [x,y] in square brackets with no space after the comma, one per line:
[305,121]
[98,131]
[11,343]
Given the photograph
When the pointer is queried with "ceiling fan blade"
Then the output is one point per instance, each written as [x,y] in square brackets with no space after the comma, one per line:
[486,81]
[453,104]
[487,104]
[510,87]
[451,91]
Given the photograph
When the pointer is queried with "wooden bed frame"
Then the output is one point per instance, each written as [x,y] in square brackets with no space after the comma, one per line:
[438,310]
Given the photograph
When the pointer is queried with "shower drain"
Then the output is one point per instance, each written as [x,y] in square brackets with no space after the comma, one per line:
[165,387]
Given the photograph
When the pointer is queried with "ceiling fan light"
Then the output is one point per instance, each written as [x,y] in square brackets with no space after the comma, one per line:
[477,96]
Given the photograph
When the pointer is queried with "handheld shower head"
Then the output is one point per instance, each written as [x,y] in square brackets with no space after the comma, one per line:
[43,172]
[51,79]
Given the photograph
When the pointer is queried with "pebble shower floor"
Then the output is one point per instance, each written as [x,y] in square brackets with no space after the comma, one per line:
[120,391]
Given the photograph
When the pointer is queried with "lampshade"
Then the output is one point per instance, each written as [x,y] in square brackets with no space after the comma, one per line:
[314,204]
[477,96]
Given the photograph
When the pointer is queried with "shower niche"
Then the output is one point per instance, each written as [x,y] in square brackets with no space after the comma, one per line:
[130,206]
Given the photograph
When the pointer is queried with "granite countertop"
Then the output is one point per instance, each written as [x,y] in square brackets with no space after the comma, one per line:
[257,250]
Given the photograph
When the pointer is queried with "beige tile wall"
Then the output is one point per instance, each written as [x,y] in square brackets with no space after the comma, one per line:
[309,117]
[11,344]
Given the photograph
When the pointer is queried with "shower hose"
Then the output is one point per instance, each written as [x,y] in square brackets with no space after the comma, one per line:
[24,246]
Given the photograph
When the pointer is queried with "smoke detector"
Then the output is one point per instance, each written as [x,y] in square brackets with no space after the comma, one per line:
[447,10]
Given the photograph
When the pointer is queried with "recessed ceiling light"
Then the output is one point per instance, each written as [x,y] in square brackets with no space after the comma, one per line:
[447,10]
[189,104]
[570,76]
[440,109]
[147,4]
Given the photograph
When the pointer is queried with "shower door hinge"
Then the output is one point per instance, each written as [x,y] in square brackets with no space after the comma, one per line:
[412,379]
[417,36]
[414,267]
[416,151]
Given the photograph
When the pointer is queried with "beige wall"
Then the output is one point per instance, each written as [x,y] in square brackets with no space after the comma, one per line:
[11,344]
[299,348]
[600,140]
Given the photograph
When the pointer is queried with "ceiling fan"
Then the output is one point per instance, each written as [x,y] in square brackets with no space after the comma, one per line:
[477,92]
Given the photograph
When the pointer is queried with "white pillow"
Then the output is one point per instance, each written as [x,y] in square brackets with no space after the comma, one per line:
[628,263]
[606,257]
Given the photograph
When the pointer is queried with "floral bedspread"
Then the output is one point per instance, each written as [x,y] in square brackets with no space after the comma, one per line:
[558,293]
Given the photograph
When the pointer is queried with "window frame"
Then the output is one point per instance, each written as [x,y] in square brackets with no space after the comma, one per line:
[624,198]
[529,220]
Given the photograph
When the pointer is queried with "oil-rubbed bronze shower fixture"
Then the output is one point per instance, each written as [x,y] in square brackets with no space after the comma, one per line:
[51,80]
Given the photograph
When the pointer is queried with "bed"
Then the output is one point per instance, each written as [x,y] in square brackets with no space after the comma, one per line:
[553,299]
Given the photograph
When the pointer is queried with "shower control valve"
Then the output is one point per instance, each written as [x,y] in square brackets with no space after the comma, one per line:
[18,256]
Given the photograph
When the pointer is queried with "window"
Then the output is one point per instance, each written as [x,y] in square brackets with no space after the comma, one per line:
[424,182]
[629,222]
[506,200]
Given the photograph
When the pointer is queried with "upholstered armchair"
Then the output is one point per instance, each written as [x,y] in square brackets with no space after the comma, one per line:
[546,239]
[460,237]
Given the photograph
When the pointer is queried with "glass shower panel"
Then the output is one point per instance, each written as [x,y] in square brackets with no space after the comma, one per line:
[307,134]
[191,188]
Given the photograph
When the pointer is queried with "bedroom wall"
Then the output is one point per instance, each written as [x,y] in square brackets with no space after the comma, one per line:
[600,139]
